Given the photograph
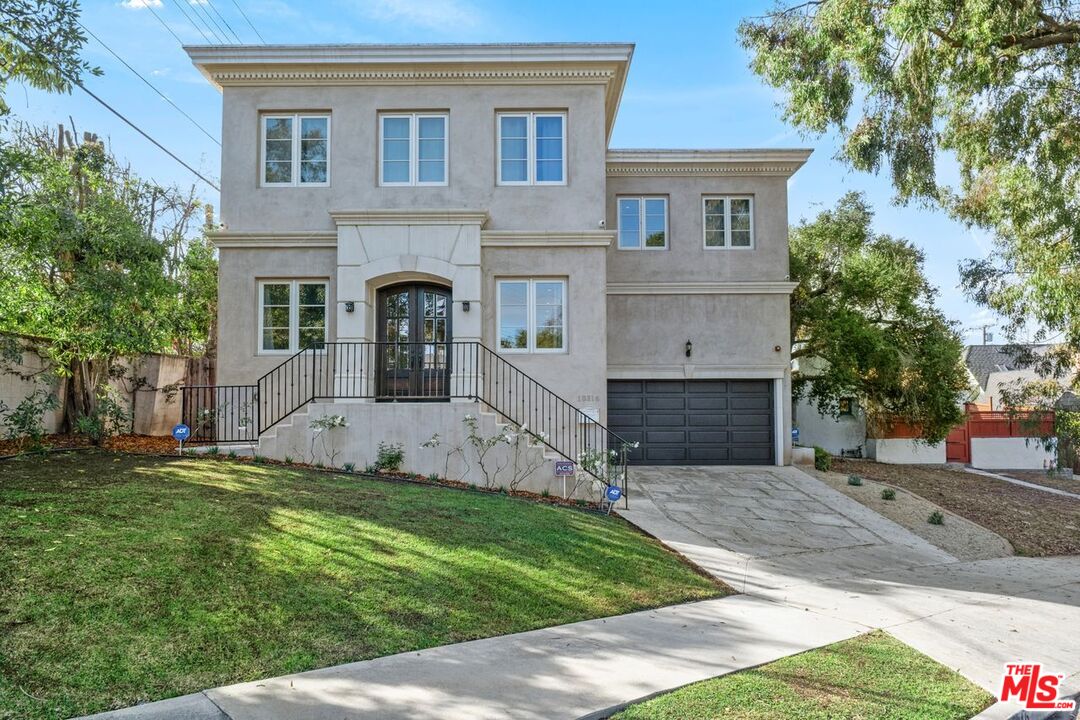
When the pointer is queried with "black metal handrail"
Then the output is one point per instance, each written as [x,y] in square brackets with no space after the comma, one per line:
[408,371]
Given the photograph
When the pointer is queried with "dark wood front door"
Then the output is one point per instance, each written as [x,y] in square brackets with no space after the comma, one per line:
[414,332]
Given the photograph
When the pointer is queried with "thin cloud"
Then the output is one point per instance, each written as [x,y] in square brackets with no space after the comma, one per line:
[140,4]
[431,14]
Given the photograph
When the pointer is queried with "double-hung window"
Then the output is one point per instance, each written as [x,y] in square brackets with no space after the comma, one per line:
[532,315]
[414,149]
[532,148]
[295,150]
[729,222]
[642,223]
[292,315]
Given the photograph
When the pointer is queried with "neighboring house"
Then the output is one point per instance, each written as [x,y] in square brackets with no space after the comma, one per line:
[446,222]
[988,438]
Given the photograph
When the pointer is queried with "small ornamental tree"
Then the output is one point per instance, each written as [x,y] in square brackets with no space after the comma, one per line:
[864,324]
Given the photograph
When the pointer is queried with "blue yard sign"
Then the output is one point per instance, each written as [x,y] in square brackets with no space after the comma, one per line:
[613,493]
[180,433]
[564,468]
[795,435]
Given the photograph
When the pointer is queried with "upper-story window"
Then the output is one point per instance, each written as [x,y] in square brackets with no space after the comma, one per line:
[296,149]
[728,222]
[642,223]
[413,149]
[532,148]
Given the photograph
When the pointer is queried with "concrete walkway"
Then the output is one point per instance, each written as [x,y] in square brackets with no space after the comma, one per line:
[815,566]
[1024,483]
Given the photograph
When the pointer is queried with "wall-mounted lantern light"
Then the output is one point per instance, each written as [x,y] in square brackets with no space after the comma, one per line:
[350,306]
[465,306]
[689,348]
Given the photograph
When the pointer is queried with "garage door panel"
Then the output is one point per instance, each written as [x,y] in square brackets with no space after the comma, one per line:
[694,421]
[665,403]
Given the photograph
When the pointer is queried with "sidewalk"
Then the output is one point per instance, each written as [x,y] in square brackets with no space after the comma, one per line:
[571,671]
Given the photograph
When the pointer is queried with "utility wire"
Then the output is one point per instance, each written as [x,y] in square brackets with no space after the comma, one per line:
[150,85]
[211,24]
[222,18]
[75,81]
[194,24]
[250,25]
[150,7]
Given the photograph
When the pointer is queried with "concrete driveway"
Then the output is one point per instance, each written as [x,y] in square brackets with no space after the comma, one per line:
[780,534]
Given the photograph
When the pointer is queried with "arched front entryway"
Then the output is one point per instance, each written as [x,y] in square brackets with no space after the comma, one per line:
[413,329]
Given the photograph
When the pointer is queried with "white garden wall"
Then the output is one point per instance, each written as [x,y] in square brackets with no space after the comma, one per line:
[1013,453]
[903,451]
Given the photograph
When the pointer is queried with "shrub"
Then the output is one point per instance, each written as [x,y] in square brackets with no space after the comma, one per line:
[371,469]
[545,493]
[854,480]
[936,518]
[232,455]
[349,467]
[107,419]
[288,459]
[822,459]
[433,477]
[581,502]
[390,457]
[215,451]
[319,465]
[888,494]
[258,459]
[502,489]
[26,421]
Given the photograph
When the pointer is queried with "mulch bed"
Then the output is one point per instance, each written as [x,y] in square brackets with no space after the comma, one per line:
[138,444]
[1038,524]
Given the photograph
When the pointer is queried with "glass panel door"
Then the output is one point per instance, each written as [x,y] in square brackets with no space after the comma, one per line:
[414,336]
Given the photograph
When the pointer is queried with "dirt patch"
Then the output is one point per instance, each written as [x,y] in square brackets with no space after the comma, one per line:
[138,444]
[1044,478]
[958,536]
[1037,523]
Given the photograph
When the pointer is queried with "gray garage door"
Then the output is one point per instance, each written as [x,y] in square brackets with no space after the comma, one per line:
[694,422]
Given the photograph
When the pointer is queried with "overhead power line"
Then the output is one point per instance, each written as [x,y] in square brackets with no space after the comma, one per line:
[246,19]
[151,85]
[193,23]
[222,18]
[211,25]
[165,25]
[76,82]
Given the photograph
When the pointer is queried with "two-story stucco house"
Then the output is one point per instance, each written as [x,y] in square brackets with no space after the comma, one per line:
[415,223]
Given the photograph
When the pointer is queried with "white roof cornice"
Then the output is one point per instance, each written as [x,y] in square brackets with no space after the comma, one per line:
[649,162]
[517,63]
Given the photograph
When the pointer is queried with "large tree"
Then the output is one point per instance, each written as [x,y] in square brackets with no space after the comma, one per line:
[992,85]
[864,325]
[94,262]
[40,42]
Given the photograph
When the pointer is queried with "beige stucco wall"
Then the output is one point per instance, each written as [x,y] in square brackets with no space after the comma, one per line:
[472,156]
[580,374]
[239,271]
[686,258]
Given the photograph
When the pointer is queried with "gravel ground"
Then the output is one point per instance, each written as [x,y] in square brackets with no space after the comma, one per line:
[958,536]
[1036,523]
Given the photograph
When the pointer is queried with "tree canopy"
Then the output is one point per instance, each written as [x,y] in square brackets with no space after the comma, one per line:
[917,85]
[40,41]
[864,325]
[95,261]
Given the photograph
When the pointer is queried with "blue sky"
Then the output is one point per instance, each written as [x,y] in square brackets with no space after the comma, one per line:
[689,86]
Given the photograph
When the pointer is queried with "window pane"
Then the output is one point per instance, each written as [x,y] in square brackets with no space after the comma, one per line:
[433,171]
[549,293]
[714,222]
[740,205]
[277,172]
[432,127]
[432,149]
[714,238]
[313,172]
[548,316]
[549,339]
[740,238]
[396,171]
[313,316]
[714,206]
[629,223]
[655,223]
[276,294]
[313,150]
[276,339]
[513,309]
[279,150]
[278,128]
[514,126]
[549,126]
[276,316]
[312,294]
[514,171]
[312,337]
[314,128]
[549,171]
[396,128]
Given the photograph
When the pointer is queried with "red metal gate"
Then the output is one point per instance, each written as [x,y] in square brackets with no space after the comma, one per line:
[958,445]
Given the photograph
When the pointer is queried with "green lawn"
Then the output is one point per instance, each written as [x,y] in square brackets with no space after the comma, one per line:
[871,677]
[125,579]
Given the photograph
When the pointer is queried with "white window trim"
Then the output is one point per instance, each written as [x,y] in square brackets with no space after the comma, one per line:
[530,148]
[295,165]
[414,149]
[294,313]
[530,317]
[727,222]
[641,222]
